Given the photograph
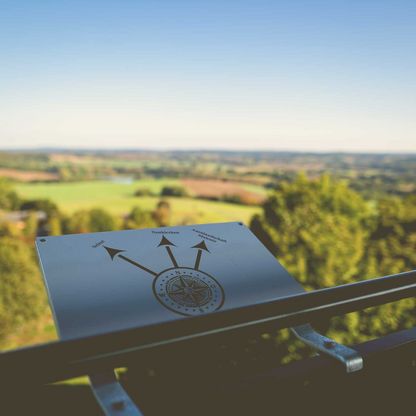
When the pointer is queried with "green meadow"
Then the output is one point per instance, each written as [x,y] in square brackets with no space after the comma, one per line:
[118,199]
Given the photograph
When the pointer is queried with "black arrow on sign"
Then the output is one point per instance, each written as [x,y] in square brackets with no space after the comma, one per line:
[166,243]
[201,246]
[116,252]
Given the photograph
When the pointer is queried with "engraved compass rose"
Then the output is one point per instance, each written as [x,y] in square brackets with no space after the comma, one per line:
[183,290]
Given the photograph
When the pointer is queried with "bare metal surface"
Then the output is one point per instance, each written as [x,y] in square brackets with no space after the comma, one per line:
[110,395]
[348,356]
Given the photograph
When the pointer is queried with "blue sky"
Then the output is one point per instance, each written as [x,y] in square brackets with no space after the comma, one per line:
[300,75]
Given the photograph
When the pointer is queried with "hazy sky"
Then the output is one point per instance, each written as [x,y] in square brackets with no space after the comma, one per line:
[302,75]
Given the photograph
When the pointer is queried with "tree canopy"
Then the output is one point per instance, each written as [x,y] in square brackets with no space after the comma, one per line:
[326,234]
[22,296]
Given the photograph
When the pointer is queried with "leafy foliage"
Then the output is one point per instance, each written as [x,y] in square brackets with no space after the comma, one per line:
[325,234]
[162,214]
[45,205]
[317,229]
[101,220]
[174,190]
[89,221]
[139,218]
[22,297]
[144,191]
[392,242]
[9,199]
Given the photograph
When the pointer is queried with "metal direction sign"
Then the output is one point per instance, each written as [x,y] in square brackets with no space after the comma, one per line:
[108,281]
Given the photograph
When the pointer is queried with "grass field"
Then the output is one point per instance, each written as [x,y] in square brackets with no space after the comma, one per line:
[118,198]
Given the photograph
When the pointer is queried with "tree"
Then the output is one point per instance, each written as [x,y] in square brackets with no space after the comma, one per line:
[10,229]
[143,191]
[316,229]
[174,190]
[162,213]
[79,222]
[392,242]
[45,205]
[54,225]
[390,250]
[22,296]
[101,220]
[94,220]
[139,218]
[31,225]
[9,199]
[325,234]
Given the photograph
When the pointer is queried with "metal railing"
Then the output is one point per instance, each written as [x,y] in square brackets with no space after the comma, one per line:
[61,360]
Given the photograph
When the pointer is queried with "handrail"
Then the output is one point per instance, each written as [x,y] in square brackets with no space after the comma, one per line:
[70,358]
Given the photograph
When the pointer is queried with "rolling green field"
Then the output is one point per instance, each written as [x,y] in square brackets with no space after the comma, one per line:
[118,198]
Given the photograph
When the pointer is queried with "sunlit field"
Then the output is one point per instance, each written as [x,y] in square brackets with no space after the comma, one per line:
[119,199]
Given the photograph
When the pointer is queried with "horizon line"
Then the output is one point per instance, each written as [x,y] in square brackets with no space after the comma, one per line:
[206,150]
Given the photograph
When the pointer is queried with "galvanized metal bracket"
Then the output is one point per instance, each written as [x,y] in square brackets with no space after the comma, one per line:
[111,396]
[348,356]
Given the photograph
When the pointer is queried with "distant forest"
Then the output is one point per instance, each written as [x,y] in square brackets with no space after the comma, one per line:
[370,174]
